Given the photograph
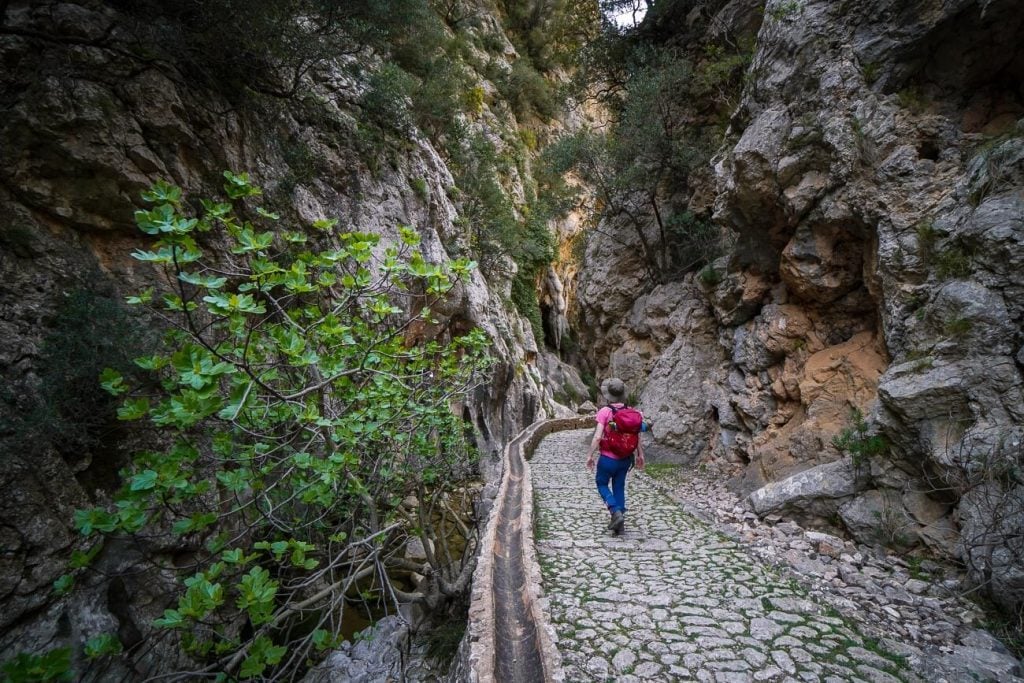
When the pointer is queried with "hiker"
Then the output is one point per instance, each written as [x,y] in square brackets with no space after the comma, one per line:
[617,436]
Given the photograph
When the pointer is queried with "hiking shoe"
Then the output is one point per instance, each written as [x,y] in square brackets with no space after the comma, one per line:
[618,520]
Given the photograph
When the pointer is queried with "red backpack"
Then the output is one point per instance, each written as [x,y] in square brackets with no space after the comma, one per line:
[622,433]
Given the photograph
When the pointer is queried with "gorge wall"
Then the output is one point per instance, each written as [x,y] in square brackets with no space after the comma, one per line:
[871,187]
[868,188]
[91,119]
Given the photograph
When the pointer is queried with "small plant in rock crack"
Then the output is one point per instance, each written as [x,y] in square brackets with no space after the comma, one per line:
[953,263]
[957,327]
[856,441]
[420,187]
[785,9]
[915,569]
[709,275]
[871,72]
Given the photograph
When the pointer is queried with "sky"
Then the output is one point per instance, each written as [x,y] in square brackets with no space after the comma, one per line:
[624,19]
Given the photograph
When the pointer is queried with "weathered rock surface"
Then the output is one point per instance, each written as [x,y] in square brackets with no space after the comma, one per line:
[376,657]
[834,480]
[88,123]
[872,177]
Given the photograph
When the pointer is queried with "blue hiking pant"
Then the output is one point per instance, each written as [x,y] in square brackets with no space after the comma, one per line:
[614,471]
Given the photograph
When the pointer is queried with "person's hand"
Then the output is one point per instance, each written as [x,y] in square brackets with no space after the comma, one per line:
[640,461]
[591,462]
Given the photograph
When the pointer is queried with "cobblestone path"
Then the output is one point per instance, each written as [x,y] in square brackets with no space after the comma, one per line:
[671,599]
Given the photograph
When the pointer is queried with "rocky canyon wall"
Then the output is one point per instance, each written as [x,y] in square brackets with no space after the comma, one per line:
[871,185]
[90,119]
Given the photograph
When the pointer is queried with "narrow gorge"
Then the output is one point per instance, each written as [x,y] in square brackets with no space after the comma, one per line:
[283,280]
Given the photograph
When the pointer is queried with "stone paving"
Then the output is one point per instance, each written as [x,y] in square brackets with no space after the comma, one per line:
[671,598]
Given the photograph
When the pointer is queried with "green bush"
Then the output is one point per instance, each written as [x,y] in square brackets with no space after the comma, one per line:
[419,186]
[709,275]
[301,407]
[440,96]
[855,440]
[958,326]
[528,92]
[54,665]
[524,297]
[693,241]
[386,100]
[913,99]
[474,99]
[267,46]
[952,262]
[927,236]
[871,72]
[69,412]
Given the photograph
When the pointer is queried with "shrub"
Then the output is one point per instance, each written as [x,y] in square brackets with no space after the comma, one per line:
[440,95]
[692,242]
[927,236]
[958,326]
[386,100]
[69,412]
[528,92]
[913,99]
[419,186]
[524,297]
[871,72]
[709,275]
[474,99]
[528,138]
[54,665]
[785,9]
[301,404]
[274,43]
[856,441]
[303,166]
[952,262]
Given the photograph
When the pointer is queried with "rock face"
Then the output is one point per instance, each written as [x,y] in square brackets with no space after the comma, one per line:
[873,178]
[87,125]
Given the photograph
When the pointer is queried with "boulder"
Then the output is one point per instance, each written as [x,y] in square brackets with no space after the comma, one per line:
[877,517]
[991,517]
[829,481]
[826,544]
[984,665]
[376,657]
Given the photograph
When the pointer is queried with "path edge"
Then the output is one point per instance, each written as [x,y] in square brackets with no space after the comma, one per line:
[482,623]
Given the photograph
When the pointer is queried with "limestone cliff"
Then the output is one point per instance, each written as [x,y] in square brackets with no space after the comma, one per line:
[91,118]
[871,181]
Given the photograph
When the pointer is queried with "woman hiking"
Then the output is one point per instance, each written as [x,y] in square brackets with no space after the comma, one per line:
[617,437]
